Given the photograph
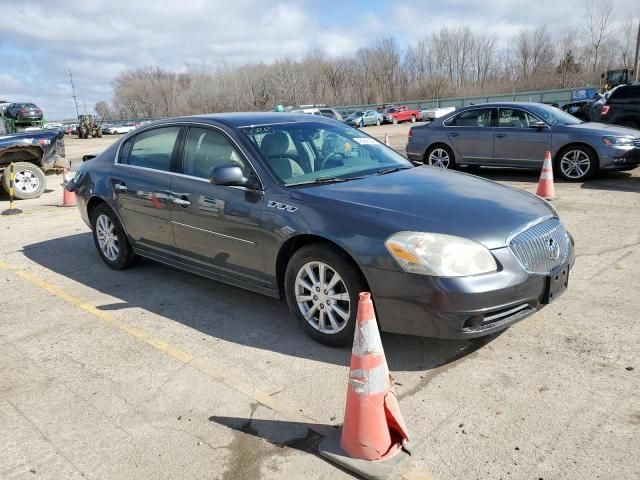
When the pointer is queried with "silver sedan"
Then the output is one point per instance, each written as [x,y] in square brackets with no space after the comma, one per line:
[518,135]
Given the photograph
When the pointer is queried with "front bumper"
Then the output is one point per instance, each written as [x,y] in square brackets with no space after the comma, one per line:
[463,307]
[616,158]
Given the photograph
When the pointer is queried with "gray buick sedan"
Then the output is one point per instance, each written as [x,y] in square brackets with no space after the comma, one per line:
[313,210]
[518,134]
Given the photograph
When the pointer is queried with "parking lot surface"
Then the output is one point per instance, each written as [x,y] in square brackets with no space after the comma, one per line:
[155,373]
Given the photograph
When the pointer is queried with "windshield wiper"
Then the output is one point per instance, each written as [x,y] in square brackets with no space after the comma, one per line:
[322,180]
[384,171]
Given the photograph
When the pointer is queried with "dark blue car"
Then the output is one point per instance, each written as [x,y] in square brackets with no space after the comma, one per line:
[313,210]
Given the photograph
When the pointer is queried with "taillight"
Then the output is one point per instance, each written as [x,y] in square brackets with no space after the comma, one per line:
[605,110]
[410,133]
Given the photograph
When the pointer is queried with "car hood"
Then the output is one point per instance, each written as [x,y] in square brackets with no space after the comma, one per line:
[604,128]
[429,199]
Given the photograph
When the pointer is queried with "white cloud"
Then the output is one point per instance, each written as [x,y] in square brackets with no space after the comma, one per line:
[98,39]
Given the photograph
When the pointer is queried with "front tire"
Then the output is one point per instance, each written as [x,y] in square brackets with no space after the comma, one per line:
[29,180]
[395,121]
[110,239]
[576,163]
[440,156]
[322,286]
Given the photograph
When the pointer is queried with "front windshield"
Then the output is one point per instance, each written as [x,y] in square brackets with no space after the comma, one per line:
[554,116]
[355,114]
[308,152]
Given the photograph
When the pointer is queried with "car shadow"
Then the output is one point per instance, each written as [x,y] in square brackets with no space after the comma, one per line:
[615,181]
[222,311]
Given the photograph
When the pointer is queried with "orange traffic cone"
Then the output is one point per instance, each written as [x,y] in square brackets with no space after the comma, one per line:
[386,140]
[546,189]
[374,440]
[68,198]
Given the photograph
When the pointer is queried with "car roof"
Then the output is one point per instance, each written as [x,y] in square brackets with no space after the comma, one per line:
[505,104]
[247,119]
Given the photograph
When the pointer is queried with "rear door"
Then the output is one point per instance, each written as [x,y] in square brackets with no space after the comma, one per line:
[518,143]
[471,134]
[141,184]
[216,227]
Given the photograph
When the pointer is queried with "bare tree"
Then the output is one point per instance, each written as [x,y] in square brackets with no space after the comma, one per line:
[598,17]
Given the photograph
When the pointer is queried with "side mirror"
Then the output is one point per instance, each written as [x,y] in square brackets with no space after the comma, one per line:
[229,174]
[538,125]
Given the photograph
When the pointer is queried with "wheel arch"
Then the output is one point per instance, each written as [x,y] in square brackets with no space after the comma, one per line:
[293,244]
[569,145]
[30,154]
[439,144]
[96,200]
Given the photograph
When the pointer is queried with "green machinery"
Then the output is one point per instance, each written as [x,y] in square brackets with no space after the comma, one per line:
[11,125]
[88,127]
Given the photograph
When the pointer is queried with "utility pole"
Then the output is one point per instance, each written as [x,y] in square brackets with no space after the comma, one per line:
[636,64]
[73,92]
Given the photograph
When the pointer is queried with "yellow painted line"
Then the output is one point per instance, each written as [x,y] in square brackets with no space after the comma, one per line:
[288,412]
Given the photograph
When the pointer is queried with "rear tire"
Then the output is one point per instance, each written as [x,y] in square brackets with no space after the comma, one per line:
[110,239]
[440,156]
[335,310]
[29,181]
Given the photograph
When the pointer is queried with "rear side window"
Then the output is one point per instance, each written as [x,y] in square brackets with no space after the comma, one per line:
[626,93]
[151,149]
[479,117]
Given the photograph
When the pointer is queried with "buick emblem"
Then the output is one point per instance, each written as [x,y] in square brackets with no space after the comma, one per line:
[554,249]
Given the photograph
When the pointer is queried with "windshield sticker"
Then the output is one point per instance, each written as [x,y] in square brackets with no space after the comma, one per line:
[365,141]
[257,130]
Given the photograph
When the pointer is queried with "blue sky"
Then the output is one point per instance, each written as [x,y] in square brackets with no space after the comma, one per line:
[98,39]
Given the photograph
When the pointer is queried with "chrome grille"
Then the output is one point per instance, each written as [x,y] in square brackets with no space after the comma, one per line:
[535,248]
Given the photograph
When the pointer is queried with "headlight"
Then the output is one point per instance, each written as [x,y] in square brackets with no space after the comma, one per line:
[440,255]
[623,141]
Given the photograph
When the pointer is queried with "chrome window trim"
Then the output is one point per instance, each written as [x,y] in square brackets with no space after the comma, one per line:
[216,234]
[116,161]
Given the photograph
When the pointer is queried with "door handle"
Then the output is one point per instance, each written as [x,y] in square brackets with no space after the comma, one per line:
[120,187]
[183,202]
[454,134]
[501,135]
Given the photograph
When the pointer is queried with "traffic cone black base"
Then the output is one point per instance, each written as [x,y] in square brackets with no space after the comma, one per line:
[11,211]
[373,470]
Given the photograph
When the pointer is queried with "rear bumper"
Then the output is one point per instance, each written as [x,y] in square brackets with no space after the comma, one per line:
[454,308]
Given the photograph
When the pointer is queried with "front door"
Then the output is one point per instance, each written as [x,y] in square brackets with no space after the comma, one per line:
[471,134]
[141,183]
[518,143]
[217,227]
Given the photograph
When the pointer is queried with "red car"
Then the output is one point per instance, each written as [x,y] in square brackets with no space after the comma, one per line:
[397,115]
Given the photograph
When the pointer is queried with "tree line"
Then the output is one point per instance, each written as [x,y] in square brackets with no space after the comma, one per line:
[454,61]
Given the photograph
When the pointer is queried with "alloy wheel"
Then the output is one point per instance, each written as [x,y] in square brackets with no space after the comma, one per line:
[26,181]
[439,157]
[322,297]
[575,164]
[107,237]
